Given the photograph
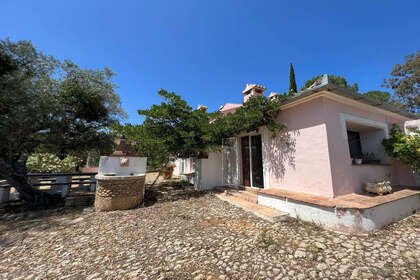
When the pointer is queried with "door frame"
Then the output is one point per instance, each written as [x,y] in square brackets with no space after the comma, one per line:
[265,134]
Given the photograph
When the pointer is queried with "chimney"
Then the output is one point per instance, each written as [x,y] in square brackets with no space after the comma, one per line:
[273,95]
[202,107]
[253,90]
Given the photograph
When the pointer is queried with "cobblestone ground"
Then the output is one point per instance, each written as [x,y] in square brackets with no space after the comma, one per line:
[191,235]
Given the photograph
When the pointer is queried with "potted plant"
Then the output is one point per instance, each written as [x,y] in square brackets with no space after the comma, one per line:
[358,161]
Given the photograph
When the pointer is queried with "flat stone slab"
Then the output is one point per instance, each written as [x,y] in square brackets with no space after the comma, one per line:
[266,213]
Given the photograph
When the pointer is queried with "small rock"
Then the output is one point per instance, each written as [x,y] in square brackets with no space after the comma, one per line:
[300,254]
[320,245]
[343,268]
[93,276]
[321,266]
[354,273]
[199,277]
[72,222]
[301,276]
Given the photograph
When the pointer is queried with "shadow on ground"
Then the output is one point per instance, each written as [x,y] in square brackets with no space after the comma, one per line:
[170,190]
[18,215]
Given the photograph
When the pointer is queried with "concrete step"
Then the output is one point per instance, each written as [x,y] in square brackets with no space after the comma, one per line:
[245,195]
[266,213]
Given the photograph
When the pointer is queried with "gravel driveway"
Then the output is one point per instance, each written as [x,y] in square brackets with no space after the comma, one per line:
[193,235]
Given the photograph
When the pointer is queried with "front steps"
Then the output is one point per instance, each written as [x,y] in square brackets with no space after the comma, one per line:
[248,200]
[243,194]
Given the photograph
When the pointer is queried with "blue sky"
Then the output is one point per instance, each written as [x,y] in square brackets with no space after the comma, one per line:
[207,51]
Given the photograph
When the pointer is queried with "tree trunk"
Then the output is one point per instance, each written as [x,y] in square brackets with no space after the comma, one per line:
[14,171]
[157,177]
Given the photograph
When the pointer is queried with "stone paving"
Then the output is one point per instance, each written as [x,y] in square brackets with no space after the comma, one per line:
[194,235]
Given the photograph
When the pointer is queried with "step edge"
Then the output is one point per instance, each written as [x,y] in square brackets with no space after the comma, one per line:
[270,218]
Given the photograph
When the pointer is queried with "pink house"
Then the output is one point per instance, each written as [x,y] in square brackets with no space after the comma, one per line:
[329,130]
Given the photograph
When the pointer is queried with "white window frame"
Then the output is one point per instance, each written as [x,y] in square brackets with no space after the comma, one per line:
[344,118]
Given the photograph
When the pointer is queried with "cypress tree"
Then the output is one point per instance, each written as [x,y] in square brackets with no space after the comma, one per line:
[292,85]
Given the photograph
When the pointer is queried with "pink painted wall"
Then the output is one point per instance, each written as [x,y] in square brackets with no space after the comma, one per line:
[229,108]
[348,178]
[318,159]
[304,164]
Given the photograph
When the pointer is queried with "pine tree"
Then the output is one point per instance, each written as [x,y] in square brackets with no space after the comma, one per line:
[292,86]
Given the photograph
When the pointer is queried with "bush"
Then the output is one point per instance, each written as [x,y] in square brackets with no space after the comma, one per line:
[404,147]
[50,163]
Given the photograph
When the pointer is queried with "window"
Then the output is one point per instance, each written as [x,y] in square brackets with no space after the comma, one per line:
[354,144]
[365,142]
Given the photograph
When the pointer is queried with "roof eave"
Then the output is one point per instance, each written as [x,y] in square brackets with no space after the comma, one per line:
[355,96]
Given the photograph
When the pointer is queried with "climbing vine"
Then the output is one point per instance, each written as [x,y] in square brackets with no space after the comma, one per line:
[257,112]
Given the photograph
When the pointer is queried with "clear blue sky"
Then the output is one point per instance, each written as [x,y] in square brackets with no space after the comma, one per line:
[207,51]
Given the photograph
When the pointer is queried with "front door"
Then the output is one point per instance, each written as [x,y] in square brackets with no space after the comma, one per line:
[246,174]
[252,164]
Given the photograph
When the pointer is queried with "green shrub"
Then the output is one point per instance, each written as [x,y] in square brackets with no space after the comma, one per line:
[50,163]
[404,147]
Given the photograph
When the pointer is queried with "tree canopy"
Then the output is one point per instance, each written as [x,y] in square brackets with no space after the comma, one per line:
[184,131]
[381,96]
[405,82]
[174,129]
[337,80]
[145,144]
[49,105]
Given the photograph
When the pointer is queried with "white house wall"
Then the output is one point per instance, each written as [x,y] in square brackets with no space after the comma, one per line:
[177,169]
[187,163]
[209,172]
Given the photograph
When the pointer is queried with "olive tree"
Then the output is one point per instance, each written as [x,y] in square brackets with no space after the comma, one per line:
[49,105]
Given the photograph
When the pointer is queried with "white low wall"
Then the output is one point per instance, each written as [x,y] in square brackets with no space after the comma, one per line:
[345,219]
[136,165]
[190,178]
[209,172]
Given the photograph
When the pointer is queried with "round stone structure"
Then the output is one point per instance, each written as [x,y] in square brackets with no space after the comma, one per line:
[119,192]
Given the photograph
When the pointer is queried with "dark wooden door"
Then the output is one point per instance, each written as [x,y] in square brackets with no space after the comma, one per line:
[245,161]
[257,163]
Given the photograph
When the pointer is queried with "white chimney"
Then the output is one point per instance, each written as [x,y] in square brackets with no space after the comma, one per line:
[253,90]
[273,95]
[202,107]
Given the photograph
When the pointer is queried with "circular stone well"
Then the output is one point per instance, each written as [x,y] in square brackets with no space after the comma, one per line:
[119,192]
